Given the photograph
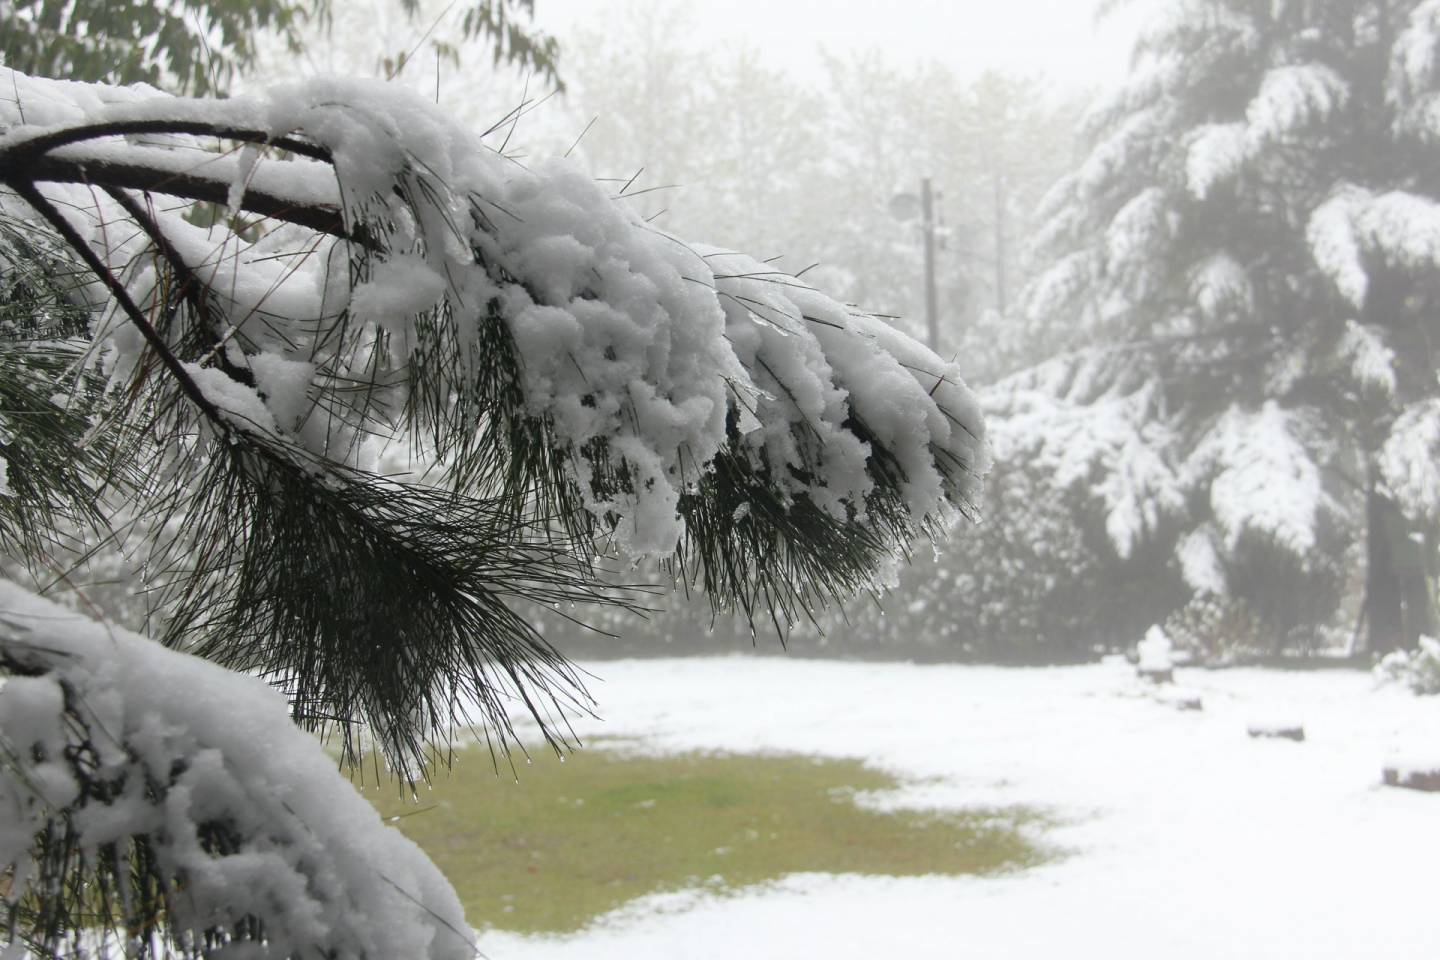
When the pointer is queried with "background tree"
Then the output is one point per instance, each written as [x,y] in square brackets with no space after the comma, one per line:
[1248,226]
[199,45]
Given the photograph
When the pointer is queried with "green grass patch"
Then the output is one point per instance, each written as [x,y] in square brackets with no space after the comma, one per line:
[571,841]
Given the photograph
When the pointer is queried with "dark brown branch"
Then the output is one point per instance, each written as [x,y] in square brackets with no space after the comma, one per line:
[192,288]
[188,186]
[188,386]
[28,150]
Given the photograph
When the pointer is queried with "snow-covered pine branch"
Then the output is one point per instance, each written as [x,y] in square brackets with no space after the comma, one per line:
[372,286]
[577,376]
[186,822]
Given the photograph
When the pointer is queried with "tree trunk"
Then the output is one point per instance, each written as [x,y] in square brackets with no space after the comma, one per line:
[1398,610]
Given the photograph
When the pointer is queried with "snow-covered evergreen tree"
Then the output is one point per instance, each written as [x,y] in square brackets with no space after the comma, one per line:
[581,387]
[1255,225]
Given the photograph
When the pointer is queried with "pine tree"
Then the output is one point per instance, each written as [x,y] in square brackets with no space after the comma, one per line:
[1254,225]
[568,388]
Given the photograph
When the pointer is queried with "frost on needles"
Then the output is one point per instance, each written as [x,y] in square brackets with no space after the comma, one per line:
[566,388]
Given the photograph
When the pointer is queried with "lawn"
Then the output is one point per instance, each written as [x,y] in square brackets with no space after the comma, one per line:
[563,843]
[1182,835]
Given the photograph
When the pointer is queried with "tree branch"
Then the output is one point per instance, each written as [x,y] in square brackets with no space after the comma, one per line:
[188,186]
[29,150]
[188,386]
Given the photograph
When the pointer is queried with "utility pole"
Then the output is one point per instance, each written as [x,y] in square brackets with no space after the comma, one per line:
[932,309]
[1001,298]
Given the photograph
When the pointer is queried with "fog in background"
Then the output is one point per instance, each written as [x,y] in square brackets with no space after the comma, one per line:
[1174,374]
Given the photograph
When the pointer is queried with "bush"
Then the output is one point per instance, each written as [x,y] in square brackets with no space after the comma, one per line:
[1217,630]
[1417,669]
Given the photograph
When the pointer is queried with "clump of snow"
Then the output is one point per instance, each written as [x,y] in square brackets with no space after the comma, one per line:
[1155,653]
[1415,57]
[1292,97]
[1220,285]
[238,404]
[1118,150]
[396,290]
[284,385]
[1215,153]
[1371,360]
[187,745]
[1261,478]
[1335,246]
[1110,449]
[1414,66]
[1400,227]
[1052,293]
[1139,231]
[1409,460]
[1200,562]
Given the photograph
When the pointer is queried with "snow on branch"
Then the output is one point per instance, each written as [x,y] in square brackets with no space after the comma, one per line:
[1122,148]
[1293,97]
[1261,478]
[619,332]
[1369,358]
[1335,245]
[1215,153]
[1414,68]
[1409,460]
[1220,286]
[190,821]
[1403,228]
[1400,228]
[1200,561]
[582,384]
[1137,235]
[1109,450]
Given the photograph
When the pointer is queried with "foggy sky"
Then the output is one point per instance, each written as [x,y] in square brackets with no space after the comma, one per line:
[1057,38]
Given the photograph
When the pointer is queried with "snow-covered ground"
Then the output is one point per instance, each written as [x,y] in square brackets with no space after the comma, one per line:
[1183,837]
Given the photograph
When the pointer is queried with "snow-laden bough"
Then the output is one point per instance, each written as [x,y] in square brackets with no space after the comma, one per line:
[204,808]
[279,290]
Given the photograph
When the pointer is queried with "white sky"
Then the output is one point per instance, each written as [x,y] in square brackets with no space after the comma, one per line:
[1058,38]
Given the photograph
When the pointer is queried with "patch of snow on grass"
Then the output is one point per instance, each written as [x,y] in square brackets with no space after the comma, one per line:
[1178,833]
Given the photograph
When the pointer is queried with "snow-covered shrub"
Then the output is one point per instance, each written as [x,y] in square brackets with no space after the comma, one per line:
[1295,601]
[1417,669]
[1038,581]
[184,820]
[1213,629]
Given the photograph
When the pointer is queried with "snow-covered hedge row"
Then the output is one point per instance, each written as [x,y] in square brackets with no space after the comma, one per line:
[1417,669]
